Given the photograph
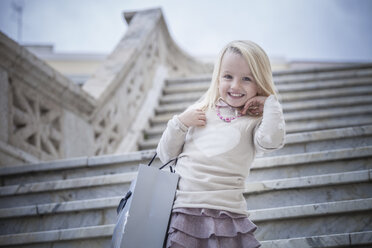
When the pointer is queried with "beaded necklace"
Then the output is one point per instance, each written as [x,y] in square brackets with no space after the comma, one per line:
[223,104]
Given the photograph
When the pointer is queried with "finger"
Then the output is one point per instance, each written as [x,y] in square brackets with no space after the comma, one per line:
[201,123]
[245,108]
[244,111]
[249,112]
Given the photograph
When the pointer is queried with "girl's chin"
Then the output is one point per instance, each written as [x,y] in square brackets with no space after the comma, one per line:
[236,104]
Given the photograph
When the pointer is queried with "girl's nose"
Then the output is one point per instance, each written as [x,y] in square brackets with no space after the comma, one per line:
[235,84]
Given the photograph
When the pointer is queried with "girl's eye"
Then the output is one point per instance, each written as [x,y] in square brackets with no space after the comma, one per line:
[227,76]
[246,79]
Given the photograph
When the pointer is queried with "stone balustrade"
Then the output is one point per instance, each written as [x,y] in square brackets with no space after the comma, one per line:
[45,116]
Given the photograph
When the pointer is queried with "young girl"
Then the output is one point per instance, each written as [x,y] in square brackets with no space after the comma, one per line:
[216,141]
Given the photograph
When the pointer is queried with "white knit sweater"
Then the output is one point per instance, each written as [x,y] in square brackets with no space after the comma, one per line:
[215,160]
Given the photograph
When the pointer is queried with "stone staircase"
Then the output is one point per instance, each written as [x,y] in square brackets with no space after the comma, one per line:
[315,192]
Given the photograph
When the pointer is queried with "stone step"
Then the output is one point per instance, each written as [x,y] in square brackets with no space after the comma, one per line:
[354,239]
[287,106]
[65,190]
[295,127]
[296,75]
[330,73]
[179,98]
[321,84]
[190,79]
[326,93]
[323,124]
[327,103]
[311,164]
[304,141]
[309,189]
[105,165]
[288,87]
[62,215]
[112,185]
[313,219]
[100,236]
[284,97]
[330,139]
[100,212]
[365,109]
[103,212]
[75,168]
[92,237]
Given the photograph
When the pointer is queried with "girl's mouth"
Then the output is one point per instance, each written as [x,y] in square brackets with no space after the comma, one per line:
[235,95]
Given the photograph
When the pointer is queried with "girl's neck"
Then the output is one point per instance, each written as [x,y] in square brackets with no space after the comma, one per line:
[223,103]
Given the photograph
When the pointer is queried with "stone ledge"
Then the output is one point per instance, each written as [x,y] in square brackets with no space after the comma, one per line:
[328,113]
[44,166]
[268,214]
[254,187]
[325,93]
[136,157]
[320,84]
[323,124]
[333,240]
[75,183]
[193,96]
[63,207]
[191,79]
[185,86]
[298,115]
[326,103]
[308,182]
[287,106]
[326,72]
[303,158]
[75,163]
[329,134]
[57,235]
[323,69]
[309,210]
[284,97]
[292,138]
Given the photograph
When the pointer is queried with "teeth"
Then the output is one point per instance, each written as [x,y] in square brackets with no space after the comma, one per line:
[233,94]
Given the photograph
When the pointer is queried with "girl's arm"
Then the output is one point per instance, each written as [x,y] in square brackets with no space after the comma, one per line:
[269,134]
[173,138]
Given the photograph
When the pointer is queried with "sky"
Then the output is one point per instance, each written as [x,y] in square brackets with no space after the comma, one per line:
[311,30]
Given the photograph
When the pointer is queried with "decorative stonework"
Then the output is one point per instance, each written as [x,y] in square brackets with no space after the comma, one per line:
[106,131]
[51,118]
[111,123]
[36,123]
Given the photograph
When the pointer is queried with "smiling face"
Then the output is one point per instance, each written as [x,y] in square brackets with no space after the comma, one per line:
[236,83]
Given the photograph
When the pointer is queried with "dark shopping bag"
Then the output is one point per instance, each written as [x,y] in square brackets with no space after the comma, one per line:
[144,212]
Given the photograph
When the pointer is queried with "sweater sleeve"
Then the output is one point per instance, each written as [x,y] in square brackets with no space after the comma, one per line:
[269,134]
[172,140]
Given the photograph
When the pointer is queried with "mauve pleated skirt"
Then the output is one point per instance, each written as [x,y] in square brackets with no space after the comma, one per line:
[200,227]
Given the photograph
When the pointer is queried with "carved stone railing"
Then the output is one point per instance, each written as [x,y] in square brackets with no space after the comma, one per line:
[122,84]
[40,109]
[45,116]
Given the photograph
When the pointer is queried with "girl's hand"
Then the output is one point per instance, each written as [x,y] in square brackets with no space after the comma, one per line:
[193,117]
[254,106]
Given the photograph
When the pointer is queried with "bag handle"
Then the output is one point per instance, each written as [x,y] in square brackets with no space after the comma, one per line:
[124,200]
[170,161]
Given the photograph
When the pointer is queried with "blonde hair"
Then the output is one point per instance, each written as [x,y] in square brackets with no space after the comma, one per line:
[259,66]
